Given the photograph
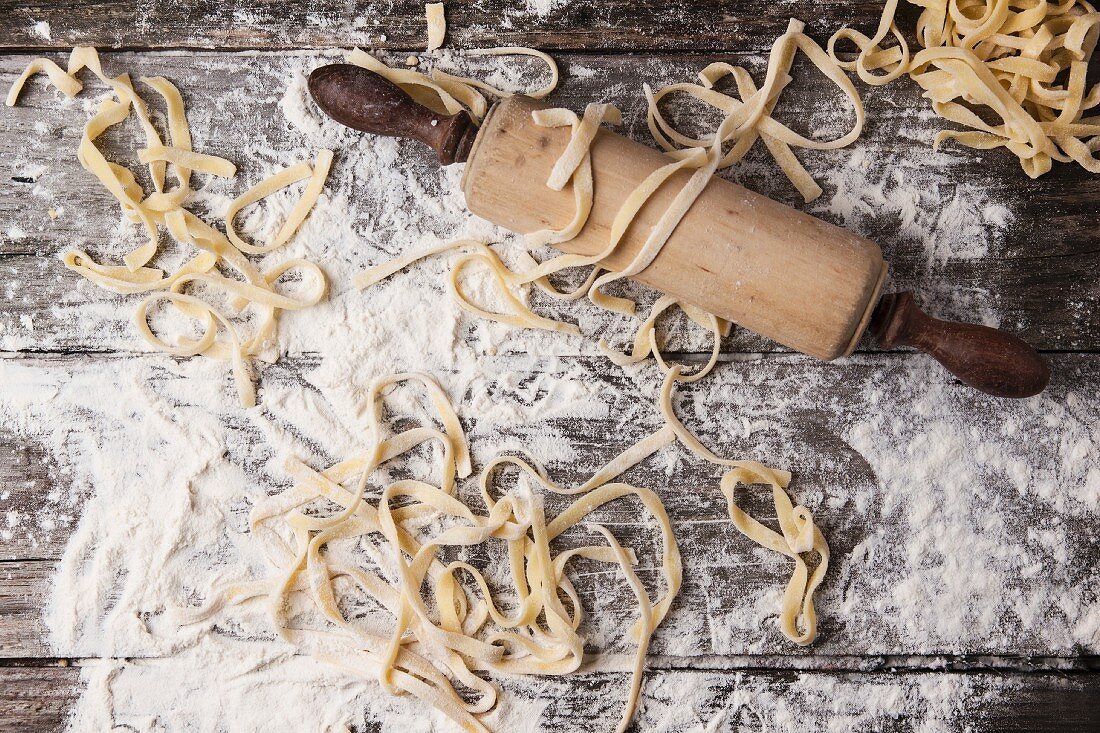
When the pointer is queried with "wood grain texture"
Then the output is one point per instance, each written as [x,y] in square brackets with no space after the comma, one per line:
[400,24]
[36,699]
[1033,277]
[23,593]
[30,478]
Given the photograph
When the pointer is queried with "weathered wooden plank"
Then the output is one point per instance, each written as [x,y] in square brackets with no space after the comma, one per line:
[959,524]
[554,24]
[34,700]
[23,593]
[1012,264]
[28,478]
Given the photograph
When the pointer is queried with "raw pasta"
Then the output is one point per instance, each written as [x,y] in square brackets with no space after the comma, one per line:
[443,630]
[1023,61]
[574,165]
[480,253]
[317,175]
[446,94]
[749,118]
[254,290]
[60,78]
[800,535]
[437,25]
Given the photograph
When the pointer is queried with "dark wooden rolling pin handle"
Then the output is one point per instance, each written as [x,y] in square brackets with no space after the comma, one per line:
[992,361]
[984,358]
[363,100]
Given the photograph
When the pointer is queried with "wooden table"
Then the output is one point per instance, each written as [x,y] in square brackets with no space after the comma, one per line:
[1038,280]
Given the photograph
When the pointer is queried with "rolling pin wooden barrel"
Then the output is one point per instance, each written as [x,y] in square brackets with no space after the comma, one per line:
[769,268]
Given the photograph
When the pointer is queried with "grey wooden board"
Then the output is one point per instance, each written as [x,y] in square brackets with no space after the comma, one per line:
[37,697]
[1036,278]
[813,421]
[268,24]
[23,593]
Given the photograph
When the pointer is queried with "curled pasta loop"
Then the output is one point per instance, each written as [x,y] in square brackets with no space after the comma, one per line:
[799,536]
[448,94]
[645,340]
[519,315]
[750,117]
[206,345]
[317,174]
[799,533]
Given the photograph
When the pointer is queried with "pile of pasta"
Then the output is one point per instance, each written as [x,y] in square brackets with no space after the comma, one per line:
[445,622]
[253,292]
[1023,63]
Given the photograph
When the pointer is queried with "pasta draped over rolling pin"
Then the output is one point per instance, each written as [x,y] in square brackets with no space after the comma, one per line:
[749,118]
[252,290]
[1022,62]
[446,94]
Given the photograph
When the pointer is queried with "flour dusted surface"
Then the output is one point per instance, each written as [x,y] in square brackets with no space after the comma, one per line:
[161,467]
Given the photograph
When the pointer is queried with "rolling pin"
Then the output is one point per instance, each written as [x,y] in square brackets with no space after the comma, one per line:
[769,268]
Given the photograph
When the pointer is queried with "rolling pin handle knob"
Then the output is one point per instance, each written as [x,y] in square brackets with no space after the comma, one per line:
[989,360]
[366,101]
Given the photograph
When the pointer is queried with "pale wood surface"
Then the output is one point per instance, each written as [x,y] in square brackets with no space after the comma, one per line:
[772,269]
[1038,280]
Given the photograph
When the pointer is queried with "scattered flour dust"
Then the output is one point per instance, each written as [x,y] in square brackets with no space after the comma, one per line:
[543,8]
[163,469]
[42,30]
[950,221]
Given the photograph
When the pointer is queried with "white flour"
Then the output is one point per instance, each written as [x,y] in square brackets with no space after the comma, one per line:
[873,185]
[543,8]
[162,468]
[42,30]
